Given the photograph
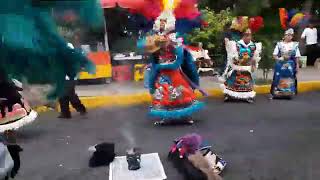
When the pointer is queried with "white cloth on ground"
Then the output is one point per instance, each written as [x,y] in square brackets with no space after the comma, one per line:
[151,169]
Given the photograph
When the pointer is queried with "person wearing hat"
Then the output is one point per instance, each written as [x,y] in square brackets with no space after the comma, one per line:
[173,75]
[243,57]
[286,54]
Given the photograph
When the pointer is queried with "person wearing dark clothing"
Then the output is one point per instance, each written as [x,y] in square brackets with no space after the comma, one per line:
[226,37]
[70,96]
[310,35]
[15,150]
[9,158]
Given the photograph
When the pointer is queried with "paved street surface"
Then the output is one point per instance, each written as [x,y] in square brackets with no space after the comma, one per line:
[116,88]
[268,140]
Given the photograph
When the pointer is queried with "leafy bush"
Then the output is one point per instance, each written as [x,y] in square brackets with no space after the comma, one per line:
[269,36]
[211,36]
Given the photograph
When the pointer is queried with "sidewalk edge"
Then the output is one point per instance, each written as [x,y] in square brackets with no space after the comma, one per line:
[134,99]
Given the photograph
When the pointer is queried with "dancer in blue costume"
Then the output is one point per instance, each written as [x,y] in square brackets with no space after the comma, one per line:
[287,55]
[173,75]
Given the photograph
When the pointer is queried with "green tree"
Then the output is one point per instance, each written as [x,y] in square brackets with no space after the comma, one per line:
[211,35]
[217,5]
[249,7]
[268,35]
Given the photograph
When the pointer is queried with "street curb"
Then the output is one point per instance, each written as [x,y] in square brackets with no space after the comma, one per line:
[134,99]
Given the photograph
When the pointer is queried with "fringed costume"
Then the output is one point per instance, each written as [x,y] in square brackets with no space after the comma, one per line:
[243,59]
[173,75]
[284,82]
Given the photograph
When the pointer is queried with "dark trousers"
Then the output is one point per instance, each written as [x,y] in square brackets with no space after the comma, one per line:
[70,96]
[312,54]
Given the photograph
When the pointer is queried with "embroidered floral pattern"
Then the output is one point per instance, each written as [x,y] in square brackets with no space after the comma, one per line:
[158,93]
[175,93]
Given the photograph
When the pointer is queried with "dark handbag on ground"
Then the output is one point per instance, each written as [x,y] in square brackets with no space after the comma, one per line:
[104,154]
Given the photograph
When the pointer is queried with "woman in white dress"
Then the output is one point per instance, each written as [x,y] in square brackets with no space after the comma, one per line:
[286,54]
[243,58]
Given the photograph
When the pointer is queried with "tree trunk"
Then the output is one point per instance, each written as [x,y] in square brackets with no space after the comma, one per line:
[265,73]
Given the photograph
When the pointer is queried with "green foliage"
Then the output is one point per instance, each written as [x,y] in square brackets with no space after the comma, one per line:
[266,62]
[268,35]
[216,5]
[251,7]
[211,36]
[255,7]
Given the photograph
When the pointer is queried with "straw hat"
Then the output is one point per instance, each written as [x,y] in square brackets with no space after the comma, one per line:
[154,43]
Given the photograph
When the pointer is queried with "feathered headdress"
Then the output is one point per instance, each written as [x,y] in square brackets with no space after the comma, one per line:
[289,31]
[170,10]
[242,23]
[292,18]
[186,13]
[167,16]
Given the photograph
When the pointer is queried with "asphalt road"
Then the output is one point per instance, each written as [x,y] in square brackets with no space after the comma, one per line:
[268,140]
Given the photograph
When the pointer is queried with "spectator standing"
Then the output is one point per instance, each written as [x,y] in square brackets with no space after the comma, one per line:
[70,96]
[310,34]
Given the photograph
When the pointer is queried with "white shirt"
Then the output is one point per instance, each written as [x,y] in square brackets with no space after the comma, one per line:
[72,47]
[244,44]
[68,78]
[202,53]
[311,36]
[286,47]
